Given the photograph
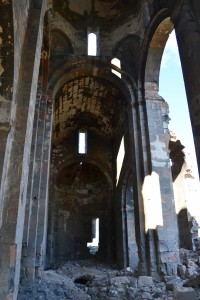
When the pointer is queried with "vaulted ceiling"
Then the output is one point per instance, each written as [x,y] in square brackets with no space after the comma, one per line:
[88,102]
[100,12]
[85,99]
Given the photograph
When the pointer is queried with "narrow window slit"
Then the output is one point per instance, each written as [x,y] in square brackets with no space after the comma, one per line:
[82,142]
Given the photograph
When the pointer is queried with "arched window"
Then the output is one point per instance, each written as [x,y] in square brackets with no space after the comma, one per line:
[92,44]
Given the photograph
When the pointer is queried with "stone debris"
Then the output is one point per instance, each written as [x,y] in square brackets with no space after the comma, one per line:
[181,293]
[89,280]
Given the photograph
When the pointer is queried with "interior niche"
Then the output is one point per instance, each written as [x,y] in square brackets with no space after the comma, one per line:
[82,196]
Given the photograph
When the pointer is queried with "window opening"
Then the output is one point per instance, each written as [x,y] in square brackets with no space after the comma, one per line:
[82,142]
[115,61]
[94,246]
[92,44]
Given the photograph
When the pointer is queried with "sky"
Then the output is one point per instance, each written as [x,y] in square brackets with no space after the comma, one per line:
[172,89]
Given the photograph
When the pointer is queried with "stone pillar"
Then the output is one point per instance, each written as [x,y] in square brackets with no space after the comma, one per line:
[149,234]
[30,177]
[44,194]
[131,225]
[13,194]
[136,144]
[35,201]
[188,39]
[158,189]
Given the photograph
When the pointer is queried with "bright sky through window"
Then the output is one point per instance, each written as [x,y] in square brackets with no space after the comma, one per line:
[171,76]
[95,241]
[82,146]
[120,158]
[92,44]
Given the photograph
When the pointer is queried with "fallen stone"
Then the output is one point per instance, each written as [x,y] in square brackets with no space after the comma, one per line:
[145,281]
[183,293]
[170,285]
[182,270]
[120,280]
[192,282]
[146,295]
[97,282]
[170,278]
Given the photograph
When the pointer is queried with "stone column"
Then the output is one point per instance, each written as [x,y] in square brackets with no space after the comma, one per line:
[44,194]
[35,201]
[161,218]
[151,260]
[29,188]
[15,179]
[136,145]
[129,215]
[188,39]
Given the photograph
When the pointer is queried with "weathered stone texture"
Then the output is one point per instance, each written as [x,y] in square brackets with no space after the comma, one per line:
[51,193]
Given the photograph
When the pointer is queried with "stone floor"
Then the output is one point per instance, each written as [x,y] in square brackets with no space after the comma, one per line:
[89,280]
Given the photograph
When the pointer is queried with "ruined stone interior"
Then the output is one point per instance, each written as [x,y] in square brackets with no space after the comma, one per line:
[85,148]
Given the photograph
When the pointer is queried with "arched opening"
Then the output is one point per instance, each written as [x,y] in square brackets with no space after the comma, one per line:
[168,83]
[81,193]
[170,73]
[182,152]
[89,109]
[157,187]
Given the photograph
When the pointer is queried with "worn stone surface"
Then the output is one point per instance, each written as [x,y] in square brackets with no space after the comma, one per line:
[91,280]
[51,193]
[184,294]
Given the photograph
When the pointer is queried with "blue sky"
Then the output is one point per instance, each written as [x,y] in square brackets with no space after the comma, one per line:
[172,89]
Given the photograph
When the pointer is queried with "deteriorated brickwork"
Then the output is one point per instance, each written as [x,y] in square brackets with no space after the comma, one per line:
[50,90]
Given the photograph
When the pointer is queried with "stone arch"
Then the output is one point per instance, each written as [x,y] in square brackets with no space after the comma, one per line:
[159,32]
[88,160]
[82,194]
[95,68]
[60,49]
[63,38]
[128,47]
[99,71]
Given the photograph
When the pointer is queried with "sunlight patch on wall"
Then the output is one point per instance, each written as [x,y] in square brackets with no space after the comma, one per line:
[120,158]
[152,202]
[94,246]
[115,61]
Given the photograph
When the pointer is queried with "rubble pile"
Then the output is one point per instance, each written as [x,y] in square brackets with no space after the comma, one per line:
[89,280]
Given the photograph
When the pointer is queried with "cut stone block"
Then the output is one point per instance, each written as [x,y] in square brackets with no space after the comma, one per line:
[184,293]
[145,281]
